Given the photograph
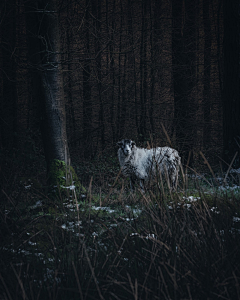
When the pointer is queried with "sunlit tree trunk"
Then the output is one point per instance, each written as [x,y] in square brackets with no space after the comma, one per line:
[44,52]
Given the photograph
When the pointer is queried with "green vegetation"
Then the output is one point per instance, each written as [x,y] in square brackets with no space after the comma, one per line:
[107,243]
[63,176]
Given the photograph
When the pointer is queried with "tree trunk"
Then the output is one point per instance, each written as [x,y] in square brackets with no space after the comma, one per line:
[132,64]
[44,51]
[8,92]
[184,58]
[119,103]
[70,114]
[87,97]
[96,12]
[122,89]
[231,83]
[207,69]
[143,75]
[112,75]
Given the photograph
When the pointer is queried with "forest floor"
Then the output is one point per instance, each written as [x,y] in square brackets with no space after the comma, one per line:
[110,243]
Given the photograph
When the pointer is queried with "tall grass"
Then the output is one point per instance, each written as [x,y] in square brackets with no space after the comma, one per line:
[157,245]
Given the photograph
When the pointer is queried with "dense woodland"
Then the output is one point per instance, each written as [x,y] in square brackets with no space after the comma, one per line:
[161,71]
[77,76]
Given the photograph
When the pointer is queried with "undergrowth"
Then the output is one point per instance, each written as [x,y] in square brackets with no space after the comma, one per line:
[111,244]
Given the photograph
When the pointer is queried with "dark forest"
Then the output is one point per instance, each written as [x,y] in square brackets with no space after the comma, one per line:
[76,78]
[134,69]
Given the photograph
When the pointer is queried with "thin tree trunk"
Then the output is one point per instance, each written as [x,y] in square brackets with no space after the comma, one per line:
[71,114]
[183,71]
[133,63]
[87,100]
[231,82]
[207,71]
[124,100]
[154,17]
[143,71]
[112,73]
[8,89]
[122,90]
[96,8]
[119,104]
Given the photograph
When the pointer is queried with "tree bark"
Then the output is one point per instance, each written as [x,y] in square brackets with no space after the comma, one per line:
[96,12]
[70,114]
[87,91]
[207,72]
[8,84]
[143,75]
[231,82]
[44,52]
[112,74]
[184,59]
[122,86]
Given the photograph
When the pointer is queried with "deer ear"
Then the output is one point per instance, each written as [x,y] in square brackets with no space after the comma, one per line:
[120,144]
[133,143]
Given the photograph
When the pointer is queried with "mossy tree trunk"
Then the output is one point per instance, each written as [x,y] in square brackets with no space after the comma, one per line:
[45,57]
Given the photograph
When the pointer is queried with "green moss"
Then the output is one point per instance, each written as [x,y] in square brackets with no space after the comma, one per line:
[57,173]
[62,175]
